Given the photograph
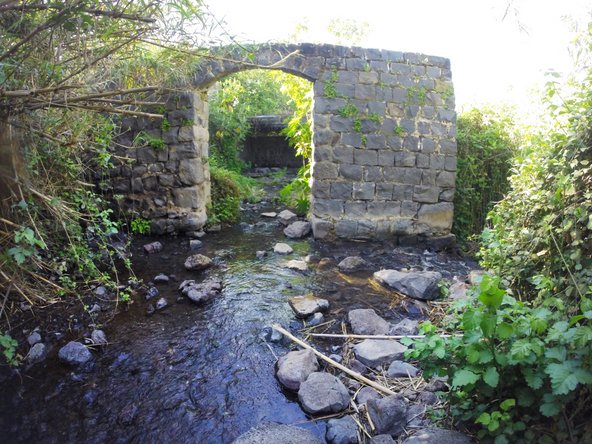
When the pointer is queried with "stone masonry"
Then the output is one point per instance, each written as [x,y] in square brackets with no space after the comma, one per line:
[384,148]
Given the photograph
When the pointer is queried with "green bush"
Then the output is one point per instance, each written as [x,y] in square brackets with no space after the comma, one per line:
[486,145]
[229,189]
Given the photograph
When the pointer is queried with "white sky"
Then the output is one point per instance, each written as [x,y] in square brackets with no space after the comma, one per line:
[493,60]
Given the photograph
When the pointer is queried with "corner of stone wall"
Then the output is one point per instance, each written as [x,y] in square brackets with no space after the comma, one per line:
[160,169]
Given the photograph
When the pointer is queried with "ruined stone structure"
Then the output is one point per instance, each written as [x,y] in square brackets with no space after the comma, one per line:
[384,130]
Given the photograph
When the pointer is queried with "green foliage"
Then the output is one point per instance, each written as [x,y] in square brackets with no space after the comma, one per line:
[27,245]
[296,194]
[140,226]
[486,145]
[229,188]
[145,139]
[513,366]
[9,345]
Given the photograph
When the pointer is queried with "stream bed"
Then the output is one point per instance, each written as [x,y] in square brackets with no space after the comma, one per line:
[204,373]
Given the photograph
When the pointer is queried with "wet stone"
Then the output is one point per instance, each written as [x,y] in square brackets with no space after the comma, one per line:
[286,216]
[152,292]
[260,254]
[271,335]
[295,367]
[304,306]
[365,321]
[342,431]
[161,279]
[297,230]
[74,353]
[197,262]
[375,352]
[281,248]
[271,433]
[323,393]
[297,265]
[271,214]
[352,264]
[400,369]
[201,292]
[421,285]
[153,247]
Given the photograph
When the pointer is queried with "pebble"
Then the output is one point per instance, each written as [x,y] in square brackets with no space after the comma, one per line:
[34,338]
[153,247]
[74,353]
[161,279]
[281,248]
[37,353]
[99,337]
[195,244]
[152,292]
[161,304]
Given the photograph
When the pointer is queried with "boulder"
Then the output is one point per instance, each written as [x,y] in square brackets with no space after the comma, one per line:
[421,285]
[74,353]
[388,414]
[342,431]
[153,247]
[281,248]
[323,393]
[375,352]
[202,292]
[297,265]
[352,264]
[286,216]
[365,321]
[271,433]
[437,436]
[297,230]
[198,262]
[406,327]
[304,306]
[295,367]
[400,369]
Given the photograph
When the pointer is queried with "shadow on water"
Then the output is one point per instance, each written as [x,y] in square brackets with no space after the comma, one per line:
[193,373]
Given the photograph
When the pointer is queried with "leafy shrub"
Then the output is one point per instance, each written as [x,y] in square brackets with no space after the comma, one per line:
[229,188]
[514,366]
[486,145]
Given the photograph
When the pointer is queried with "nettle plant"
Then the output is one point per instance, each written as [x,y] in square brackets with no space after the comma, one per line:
[518,372]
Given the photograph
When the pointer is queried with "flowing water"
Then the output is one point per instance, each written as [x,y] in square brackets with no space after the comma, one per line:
[202,373]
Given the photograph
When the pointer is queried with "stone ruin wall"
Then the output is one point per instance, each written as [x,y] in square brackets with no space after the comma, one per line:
[384,130]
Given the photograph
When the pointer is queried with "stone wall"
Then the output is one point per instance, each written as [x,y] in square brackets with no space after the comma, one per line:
[160,166]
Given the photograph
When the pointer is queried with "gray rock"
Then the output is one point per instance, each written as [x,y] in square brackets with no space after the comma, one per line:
[437,436]
[281,248]
[270,433]
[260,254]
[304,306]
[357,366]
[458,290]
[270,214]
[152,292]
[342,431]
[400,369]
[37,353]
[202,292]
[34,338]
[323,393]
[388,414]
[365,394]
[406,327]
[101,291]
[315,319]
[99,337]
[198,262]
[297,230]
[415,414]
[161,278]
[96,308]
[161,304]
[427,397]
[195,244]
[74,353]
[270,334]
[352,264]
[365,321]
[286,216]
[295,367]
[476,276]
[382,439]
[153,247]
[421,285]
[297,265]
[375,352]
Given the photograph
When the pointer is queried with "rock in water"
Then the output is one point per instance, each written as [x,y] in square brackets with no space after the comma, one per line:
[203,291]
[295,367]
[375,352]
[389,414]
[421,285]
[153,247]
[281,248]
[297,230]
[195,244]
[271,214]
[297,265]
[323,393]
[352,264]
[342,431]
[365,321]
[74,353]
[198,262]
[270,433]
[400,369]
[286,216]
[437,436]
[304,306]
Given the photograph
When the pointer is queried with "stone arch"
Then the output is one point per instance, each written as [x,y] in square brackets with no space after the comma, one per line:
[384,148]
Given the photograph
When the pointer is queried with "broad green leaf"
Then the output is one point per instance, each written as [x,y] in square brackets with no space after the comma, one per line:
[563,379]
[484,418]
[464,377]
[505,330]
[507,404]
[488,323]
[558,353]
[533,378]
[550,408]
[500,439]
[582,336]
[521,349]
[472,355]
[485,356]
[491,377]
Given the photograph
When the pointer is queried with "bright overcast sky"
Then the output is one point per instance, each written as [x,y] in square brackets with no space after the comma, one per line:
[493,59]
